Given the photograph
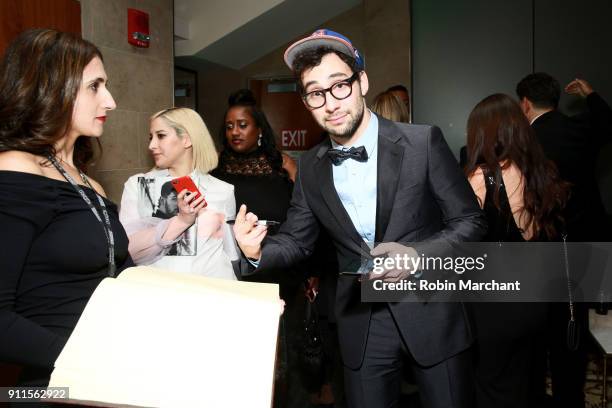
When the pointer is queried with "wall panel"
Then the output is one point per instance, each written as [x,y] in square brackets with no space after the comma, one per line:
[19,15]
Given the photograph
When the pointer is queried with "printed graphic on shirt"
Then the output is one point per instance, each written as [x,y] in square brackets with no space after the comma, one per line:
[157,198]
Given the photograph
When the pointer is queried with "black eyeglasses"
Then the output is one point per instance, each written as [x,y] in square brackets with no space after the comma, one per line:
[340,90]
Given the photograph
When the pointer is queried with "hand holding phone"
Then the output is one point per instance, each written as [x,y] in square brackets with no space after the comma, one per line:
[186,183]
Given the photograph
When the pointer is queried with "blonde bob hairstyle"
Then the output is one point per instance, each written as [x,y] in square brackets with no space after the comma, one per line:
[186,121]
[389,106]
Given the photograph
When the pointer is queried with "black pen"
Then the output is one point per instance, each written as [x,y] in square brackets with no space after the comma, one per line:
[259,222]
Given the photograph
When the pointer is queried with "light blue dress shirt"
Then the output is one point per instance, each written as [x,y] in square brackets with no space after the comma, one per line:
[355,182]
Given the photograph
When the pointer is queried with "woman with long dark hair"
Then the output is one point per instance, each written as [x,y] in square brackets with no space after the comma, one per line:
[522,196]
[61,236]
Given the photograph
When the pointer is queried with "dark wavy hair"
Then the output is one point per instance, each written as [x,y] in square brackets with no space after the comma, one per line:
[40,76]
[541,89]
[312,57]
[245,98]
[498,132]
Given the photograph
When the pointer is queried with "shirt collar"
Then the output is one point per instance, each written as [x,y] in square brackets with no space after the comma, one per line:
[537,117]
[368,139]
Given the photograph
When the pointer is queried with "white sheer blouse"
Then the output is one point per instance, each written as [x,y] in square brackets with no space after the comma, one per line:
[205,248]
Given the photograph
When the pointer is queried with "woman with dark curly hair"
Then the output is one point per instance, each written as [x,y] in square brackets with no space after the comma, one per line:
[261,174]
[522,196]
[61,236]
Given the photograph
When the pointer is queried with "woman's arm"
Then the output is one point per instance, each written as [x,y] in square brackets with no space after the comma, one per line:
[477,182]
[151,237]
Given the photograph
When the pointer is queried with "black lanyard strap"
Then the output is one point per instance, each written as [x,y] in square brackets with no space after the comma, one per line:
[106,225]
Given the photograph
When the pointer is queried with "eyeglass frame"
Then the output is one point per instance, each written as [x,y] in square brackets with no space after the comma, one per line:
[350,80]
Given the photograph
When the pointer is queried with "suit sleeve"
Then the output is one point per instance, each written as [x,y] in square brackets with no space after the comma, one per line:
[600,116]
[297,236]
[461,215]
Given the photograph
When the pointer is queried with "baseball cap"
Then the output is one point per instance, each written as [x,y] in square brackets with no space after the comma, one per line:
[324,38]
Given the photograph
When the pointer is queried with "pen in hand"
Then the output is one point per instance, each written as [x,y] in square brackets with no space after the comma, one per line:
[259,222]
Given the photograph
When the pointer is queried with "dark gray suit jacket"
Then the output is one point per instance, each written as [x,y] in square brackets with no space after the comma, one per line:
[422,196]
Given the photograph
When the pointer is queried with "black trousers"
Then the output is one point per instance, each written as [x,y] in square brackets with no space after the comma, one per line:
[377,383]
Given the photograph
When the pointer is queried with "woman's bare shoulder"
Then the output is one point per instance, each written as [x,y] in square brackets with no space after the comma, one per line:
[15,160]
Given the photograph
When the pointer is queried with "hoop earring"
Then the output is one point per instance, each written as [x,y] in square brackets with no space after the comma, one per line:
[259,140]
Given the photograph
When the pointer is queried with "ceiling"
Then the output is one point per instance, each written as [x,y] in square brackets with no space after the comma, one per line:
[234,33]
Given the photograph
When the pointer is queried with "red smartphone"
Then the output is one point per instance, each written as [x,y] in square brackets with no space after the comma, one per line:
[186,183]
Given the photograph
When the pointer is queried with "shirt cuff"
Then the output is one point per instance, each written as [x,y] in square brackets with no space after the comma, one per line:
[254,262]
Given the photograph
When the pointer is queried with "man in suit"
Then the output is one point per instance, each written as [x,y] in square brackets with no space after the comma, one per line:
[374,181]
[573,144]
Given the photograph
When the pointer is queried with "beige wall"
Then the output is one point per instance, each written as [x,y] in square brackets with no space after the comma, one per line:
[380,29]
[386,44]
[349,23]
[140,80]
[215,83]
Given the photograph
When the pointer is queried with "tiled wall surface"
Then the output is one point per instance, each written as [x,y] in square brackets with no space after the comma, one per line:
[140,80]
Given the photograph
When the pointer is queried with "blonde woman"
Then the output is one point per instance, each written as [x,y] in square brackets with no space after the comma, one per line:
[173,229]
[388,105]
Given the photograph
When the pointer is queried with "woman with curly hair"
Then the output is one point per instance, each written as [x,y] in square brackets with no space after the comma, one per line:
[261,174]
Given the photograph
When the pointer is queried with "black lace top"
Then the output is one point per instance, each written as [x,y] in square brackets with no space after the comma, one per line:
[265,191]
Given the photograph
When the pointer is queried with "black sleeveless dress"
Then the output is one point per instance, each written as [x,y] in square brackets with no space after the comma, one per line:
[54,254]
[509,337]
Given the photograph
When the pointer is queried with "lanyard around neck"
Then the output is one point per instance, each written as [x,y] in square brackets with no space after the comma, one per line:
[106,225]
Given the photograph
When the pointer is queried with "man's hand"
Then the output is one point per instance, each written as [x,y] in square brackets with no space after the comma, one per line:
[248,234]
[312,289]
[579,87]
[404,258]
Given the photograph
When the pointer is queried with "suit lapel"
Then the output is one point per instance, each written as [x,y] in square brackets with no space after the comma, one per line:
[325,177]
[390,156]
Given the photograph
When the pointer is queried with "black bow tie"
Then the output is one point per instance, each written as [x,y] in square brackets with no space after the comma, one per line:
[356,153]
